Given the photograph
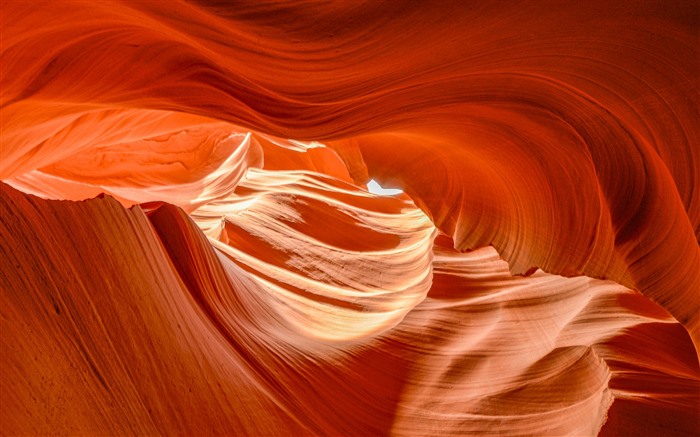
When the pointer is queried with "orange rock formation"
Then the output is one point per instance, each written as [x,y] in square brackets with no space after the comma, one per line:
[189,246]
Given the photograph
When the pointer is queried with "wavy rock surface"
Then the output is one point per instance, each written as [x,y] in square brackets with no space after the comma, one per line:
[539,276]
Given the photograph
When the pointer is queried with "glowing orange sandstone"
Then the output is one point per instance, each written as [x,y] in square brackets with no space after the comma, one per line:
[253,286]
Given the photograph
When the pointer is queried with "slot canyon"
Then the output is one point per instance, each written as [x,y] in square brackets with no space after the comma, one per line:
[350,218]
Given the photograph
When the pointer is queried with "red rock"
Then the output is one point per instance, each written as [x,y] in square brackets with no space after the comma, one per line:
[212,264]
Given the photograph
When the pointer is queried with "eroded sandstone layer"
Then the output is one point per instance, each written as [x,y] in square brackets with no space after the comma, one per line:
[189,246]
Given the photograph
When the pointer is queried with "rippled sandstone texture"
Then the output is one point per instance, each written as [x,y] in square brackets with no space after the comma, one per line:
[188,246]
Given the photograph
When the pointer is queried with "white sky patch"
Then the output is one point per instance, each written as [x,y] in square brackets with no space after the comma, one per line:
[374,188]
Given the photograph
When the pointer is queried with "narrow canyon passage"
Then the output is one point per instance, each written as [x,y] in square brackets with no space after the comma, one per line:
[350,218]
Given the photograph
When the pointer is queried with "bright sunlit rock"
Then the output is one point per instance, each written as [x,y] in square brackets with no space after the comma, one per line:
[188,245]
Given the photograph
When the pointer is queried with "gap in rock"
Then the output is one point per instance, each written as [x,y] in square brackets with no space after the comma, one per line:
[374,188]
